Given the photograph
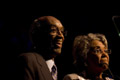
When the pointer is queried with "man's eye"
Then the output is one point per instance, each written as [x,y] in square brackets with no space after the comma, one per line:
[53,30]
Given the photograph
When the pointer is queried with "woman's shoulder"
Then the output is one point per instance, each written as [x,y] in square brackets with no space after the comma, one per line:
[73,76]
[108,78]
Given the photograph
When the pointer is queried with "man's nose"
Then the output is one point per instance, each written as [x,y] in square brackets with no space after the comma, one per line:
[60,34]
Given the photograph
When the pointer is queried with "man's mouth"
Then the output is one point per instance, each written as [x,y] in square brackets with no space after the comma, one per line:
[59,44]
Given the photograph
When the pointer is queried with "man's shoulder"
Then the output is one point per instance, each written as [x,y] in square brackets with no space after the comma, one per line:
[30,55]
[27,54]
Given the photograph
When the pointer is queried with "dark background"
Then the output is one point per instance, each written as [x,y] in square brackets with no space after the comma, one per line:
[16,18]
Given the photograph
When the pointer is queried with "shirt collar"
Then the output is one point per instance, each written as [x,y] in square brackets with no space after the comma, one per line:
[50,63]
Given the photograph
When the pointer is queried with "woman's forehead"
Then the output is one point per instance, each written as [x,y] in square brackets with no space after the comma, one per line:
[97,43]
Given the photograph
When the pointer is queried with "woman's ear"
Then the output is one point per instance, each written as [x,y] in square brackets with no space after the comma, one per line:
[86,63]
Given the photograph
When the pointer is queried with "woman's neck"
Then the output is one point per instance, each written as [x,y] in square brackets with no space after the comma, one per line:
[92,74]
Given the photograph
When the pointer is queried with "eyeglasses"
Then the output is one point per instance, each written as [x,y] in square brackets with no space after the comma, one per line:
[55,30]
[108,51]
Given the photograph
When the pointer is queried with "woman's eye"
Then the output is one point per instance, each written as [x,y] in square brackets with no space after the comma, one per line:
[97,51]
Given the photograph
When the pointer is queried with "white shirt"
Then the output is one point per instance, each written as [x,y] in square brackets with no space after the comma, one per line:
[50,64]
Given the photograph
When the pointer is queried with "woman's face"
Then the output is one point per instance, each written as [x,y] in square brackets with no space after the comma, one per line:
[98,58]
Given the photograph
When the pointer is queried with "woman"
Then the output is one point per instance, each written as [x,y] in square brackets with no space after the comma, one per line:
[91,58]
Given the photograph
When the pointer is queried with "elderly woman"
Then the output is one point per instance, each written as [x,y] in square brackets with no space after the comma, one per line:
[91,58]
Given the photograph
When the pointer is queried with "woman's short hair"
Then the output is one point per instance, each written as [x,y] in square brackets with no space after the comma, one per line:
[81,47]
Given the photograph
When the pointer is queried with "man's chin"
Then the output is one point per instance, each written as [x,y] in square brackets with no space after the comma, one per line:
[57,51]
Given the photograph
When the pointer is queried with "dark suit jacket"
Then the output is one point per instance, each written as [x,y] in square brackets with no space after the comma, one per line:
[32,66]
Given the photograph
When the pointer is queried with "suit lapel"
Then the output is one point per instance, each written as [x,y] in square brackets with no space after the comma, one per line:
[44,68]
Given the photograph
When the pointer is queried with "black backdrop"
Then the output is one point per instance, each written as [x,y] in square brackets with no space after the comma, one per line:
[15,21]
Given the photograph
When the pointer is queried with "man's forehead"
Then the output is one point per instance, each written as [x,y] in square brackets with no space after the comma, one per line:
[55,26]
[54,22]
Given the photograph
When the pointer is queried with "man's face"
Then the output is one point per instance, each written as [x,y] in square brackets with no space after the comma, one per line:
[55,35]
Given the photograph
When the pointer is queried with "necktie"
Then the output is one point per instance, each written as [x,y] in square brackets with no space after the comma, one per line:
[54,72]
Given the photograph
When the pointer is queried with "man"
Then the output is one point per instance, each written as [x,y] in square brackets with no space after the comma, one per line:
[47,37]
